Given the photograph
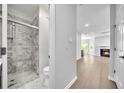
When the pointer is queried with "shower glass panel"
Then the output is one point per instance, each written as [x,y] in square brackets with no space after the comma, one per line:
[0,46]
[23,50]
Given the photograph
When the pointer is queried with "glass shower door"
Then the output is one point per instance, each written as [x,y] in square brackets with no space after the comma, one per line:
[23,46]
[22,55]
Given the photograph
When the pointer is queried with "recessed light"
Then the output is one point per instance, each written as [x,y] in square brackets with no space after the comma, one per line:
[86,25]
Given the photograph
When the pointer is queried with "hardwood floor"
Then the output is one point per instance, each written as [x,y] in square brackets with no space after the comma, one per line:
[92,72]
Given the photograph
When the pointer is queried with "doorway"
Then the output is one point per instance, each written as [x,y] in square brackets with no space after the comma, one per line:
[96,47]
[23,37]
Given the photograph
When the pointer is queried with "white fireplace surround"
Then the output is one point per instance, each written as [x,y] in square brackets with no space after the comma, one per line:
[97,49]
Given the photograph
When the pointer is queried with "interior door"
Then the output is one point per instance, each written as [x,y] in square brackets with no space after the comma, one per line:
[119,65]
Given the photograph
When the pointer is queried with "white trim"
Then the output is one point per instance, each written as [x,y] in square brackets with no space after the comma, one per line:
[111,78]
[113,44]
[71,83]
[119,85]
[4,44]
[78,59]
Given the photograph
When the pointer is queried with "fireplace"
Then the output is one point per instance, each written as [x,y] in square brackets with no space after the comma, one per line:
[105,52]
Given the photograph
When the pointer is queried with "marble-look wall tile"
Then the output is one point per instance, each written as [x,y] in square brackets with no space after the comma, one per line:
[23,49]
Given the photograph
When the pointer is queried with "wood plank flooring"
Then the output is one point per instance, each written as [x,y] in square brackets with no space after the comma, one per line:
[92,72]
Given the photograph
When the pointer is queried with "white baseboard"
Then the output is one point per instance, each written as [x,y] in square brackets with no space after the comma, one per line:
[119,85]
[78,58]
[71,83]
[111,78]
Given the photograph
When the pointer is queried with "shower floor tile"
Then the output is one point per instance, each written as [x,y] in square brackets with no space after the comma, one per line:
[36,84]
[17,80]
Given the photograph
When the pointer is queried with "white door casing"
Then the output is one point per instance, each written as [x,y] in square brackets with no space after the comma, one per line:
[4,44]
[0,51]
[119,42]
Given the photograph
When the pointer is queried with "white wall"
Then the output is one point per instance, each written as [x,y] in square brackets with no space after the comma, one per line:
[65,45]
[102,42]
[78,47]
[112,39]
[43,38]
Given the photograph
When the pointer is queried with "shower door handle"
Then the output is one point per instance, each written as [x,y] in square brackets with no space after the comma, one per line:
[3,51]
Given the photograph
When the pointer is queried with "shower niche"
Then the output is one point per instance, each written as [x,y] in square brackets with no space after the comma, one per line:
[22,44]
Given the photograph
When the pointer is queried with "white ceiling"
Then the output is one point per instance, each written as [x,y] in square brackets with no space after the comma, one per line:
[96,15]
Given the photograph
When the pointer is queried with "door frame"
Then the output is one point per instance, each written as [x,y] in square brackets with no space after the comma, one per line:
[112,42]
[113,45]
[52,11]
[4,44]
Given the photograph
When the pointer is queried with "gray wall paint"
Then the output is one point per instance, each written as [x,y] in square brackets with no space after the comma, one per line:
[78,47]
[65,45]
[52,47]
[112,39]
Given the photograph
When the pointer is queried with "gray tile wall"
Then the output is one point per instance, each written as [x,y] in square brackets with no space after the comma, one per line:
[23,49]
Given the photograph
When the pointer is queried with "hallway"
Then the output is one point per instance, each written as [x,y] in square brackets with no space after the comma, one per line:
[92,72]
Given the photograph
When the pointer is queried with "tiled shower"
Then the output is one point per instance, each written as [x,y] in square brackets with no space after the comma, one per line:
[23,53]
[26,47]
